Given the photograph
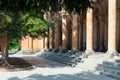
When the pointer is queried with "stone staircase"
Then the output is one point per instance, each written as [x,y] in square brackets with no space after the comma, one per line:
[68,57]
[92,61]
[102,64]
[98,63]
[110,68]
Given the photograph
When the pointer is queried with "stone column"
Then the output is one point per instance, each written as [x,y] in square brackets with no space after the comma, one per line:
[46,39]
[51,38]
[46,42]
[57,34]
[112,28]
[75,32]
[89,32]
[64,31]
[50,44]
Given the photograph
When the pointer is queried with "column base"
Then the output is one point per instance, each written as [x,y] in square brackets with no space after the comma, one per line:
[88,52]
[112,54]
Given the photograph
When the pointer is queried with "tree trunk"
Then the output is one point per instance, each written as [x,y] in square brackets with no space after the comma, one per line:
[4,48]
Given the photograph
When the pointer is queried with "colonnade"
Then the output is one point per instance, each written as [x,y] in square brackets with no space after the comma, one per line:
[95,31]
[102,38]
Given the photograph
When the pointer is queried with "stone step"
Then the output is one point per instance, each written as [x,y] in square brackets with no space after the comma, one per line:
[117,61]
[91,62]
[110,69]
[108,63]
[111,73]
[102,64]
[66,58]
[87,67]
[62,57]
[45,54]
[111,63]
[112,76]
[62,61]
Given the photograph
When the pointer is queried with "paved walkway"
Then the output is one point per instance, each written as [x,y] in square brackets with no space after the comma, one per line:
[49,70]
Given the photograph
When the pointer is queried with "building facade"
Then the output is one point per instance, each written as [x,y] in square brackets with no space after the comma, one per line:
[97,31]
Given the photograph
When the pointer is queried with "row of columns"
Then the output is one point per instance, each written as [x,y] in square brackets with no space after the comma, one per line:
[111,29]
[78,33]
[89,30]
[65,33]
[79,36]
[100,27]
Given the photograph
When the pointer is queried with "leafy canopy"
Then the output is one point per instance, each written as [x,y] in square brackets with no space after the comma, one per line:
[35,25]
[47,5]
[25,17]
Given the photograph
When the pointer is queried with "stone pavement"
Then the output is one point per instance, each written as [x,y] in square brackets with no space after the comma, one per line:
[49,70]
[51,66]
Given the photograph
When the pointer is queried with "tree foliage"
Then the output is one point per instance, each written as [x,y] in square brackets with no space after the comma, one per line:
[47,5]
[25,17]
[35,25]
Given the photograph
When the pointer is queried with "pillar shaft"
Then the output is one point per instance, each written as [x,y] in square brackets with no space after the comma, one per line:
[89,33]
[51,44]
[75,31]
[64,32]
[45,42]
[89,30]
[57,35]
[112,28]
[112,25]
